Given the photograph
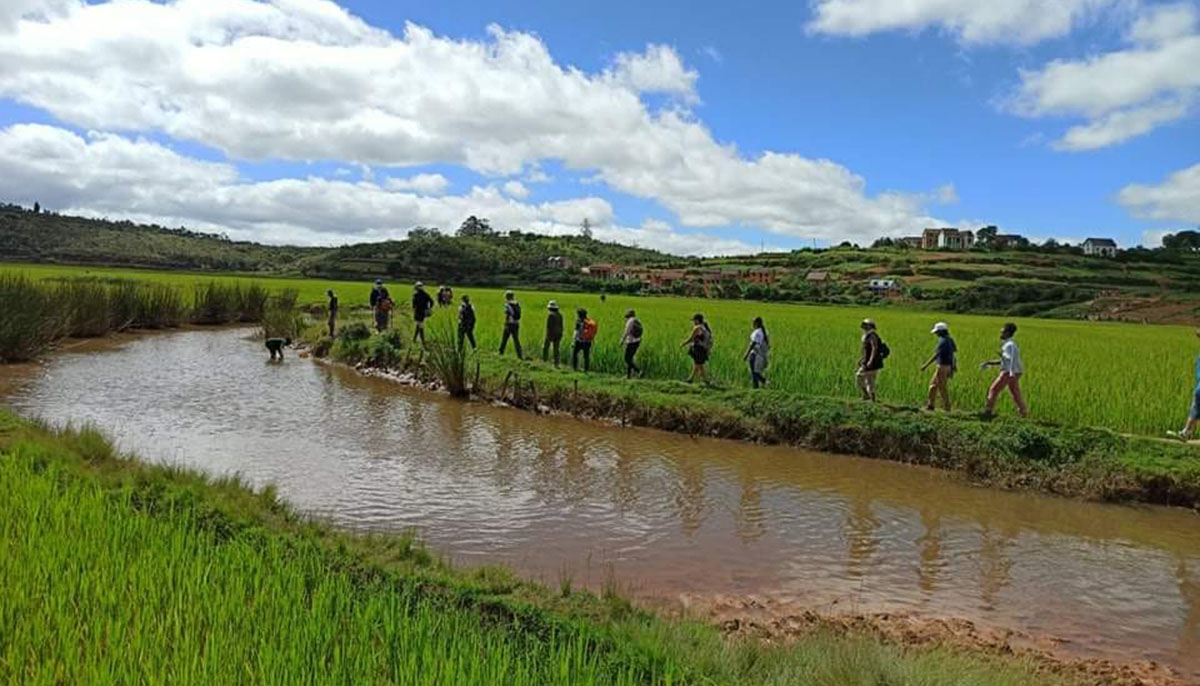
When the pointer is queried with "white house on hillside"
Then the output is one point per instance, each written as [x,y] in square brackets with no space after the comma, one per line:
[1100,247]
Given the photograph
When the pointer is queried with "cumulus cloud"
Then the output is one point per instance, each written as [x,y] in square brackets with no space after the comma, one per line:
[305,80]
[516,189]
[1124,93]
[426,184]
[969,21]
[1175,199]
[110,175]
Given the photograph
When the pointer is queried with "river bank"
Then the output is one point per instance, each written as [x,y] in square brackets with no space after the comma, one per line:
[1011,453]
[201,580]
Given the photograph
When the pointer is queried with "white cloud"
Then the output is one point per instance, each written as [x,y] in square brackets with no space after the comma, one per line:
[969,21]
[1175,199]
[658,70]
[946,194]
[425,184]
[1124,93]
[109,175]
[305,80]
[516,189]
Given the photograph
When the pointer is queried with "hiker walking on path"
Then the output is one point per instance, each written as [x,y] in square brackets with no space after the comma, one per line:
[275,346]
[381,305]
[554,332]
[466,322]
[699,344]
[874,351]
[333,312]
[585,335]
[756,354]
[512,324]
[946,357]
[1189,429]
[422,306]
[631,340]
[1011,370]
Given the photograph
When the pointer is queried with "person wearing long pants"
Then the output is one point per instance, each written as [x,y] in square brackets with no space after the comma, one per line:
[1011,369]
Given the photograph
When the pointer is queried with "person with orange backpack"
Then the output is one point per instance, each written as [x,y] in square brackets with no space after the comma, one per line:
[585,335]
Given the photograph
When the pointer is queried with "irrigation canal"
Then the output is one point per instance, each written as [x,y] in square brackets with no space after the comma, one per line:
[665,516]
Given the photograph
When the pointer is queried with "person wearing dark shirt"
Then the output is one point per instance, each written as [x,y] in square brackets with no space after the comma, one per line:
[512,324]
[870,361]
[275,346]
[466,322]
[554,332]
[333,312]
[946,357]
[422,306]
[381,305]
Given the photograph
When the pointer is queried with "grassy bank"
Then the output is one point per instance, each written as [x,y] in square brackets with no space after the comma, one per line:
[1008,452]
[1127,377]
[120,572]
[38,313]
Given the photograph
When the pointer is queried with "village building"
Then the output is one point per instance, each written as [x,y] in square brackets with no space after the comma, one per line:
[560,262]
[1007,240]
[601,271]
[883,287]
[911,242]
[818,276]
[1100,247]
[947,239]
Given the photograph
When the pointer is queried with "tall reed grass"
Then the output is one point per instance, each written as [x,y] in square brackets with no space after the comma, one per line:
[446,358]
[36,314]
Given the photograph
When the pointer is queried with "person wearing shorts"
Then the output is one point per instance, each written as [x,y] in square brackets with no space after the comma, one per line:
[699,345]
[945,354]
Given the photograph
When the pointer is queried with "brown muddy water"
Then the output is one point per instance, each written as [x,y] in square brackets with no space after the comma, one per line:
[665,516]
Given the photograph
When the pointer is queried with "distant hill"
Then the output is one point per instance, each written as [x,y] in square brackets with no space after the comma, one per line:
[1160,285]
[29,236]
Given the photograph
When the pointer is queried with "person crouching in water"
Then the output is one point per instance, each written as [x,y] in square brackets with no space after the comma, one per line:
[1189,429]
[1011,370]
[466,322]
[699,344]
[275,346]
[554,332]
[756,354]
[631,339]
[946,357]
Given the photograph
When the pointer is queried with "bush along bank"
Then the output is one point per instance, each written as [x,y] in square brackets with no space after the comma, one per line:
[120,571]
[1090,463]
[40,314]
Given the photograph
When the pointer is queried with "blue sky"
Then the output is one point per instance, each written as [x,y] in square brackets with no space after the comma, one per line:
[989,113]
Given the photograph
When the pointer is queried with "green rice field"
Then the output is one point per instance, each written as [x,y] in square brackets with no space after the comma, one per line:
[1127,377]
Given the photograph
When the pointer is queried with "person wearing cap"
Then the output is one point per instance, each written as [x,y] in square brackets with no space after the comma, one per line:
[422,307]
[466,322]
[1011,369]
[945,354]
[381,305]
[870,361]
[631,340]
[554,332]
[512,324]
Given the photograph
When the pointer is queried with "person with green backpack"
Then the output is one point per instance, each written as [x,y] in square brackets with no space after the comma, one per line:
[874,352]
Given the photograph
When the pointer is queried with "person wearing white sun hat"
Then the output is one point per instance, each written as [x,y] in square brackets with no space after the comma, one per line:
[946,357]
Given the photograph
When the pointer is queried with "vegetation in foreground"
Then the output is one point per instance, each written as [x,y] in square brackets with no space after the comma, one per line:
[1130,378]
[120,572]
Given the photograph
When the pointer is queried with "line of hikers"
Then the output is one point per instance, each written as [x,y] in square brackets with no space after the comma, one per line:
[699,345]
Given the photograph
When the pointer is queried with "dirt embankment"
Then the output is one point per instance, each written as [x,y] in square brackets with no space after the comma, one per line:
[770,621]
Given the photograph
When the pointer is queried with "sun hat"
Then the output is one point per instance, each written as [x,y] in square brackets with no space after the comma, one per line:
[553,305]
[869,322]
[378,282]
[940,327]
[418,285]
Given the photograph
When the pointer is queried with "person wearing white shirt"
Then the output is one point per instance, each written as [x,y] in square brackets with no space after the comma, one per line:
[756,354]
[1011,369]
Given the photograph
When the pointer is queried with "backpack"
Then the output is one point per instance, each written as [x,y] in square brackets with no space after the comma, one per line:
[514,309]
[706,338]
[589,330]
[884,350]
[635,329]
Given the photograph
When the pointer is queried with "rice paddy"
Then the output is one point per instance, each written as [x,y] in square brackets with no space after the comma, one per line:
[1127,377]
